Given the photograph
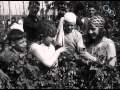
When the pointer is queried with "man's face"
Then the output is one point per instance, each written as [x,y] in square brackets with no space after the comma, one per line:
[94,31]
[34,10]
[21,44]
[68,27]
[92,11]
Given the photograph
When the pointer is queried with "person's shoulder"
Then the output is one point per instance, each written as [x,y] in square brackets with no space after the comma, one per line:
[108,40]
[35,46]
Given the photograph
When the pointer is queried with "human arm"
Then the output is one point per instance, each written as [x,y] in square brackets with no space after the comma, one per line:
[47,59]
[111,54]
[88,56]
[82,49]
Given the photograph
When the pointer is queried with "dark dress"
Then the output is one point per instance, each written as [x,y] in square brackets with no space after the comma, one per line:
[30,27]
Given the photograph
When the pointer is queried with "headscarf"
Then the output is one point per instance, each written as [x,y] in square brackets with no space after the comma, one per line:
[70,17]
[98,21]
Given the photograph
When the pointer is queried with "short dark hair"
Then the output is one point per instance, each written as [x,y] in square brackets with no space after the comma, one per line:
[33,3]
[46,28]
[13,18]
[15,35]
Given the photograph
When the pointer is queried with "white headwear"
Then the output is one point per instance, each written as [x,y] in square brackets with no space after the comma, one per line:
[70,17]
[17,26]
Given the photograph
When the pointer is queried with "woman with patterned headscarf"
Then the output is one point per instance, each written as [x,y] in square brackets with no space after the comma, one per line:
[99,45]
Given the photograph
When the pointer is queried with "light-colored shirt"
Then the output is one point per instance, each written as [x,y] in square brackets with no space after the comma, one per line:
[44,53]
[105,50]
[74,41]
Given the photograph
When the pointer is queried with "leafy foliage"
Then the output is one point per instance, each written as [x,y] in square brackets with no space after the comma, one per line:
[71,73]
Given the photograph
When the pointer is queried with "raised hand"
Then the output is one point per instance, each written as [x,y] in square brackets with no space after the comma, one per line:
[62,49]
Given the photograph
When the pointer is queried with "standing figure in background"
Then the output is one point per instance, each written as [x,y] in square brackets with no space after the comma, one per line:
[31,21]
[62,9]
[93,9]
[82,20]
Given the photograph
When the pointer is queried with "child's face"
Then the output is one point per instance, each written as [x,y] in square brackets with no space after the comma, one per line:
[21,44]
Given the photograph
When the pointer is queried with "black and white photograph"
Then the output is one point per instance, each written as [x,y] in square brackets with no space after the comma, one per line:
[59,44]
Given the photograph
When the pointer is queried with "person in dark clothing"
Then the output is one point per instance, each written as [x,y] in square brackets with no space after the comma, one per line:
[30,22]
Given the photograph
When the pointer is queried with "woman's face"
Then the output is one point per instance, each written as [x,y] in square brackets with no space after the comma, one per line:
[94,31]
[48,40]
